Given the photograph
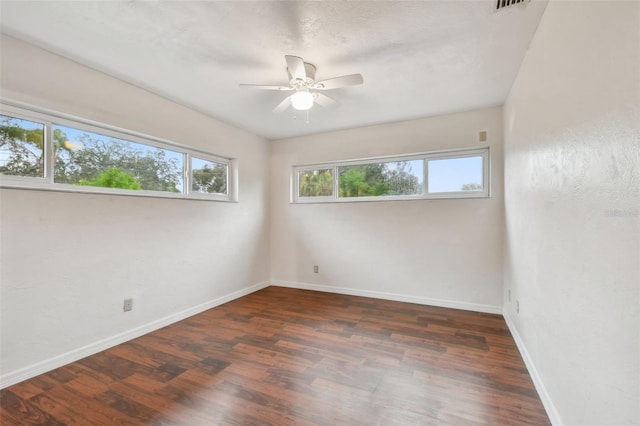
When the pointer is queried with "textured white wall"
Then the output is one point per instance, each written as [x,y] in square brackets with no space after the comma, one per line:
[433,251]
[572,197]
[69,260]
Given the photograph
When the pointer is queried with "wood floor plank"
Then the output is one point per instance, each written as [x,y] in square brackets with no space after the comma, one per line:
[284,356]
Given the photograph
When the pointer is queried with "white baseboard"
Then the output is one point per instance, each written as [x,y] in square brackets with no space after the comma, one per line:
[476,307]
[33,370]
[552,412]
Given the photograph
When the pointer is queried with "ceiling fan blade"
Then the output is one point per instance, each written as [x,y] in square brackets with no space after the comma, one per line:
[263,87]
[337,82]
[283,105]
[295,65]
[324,100]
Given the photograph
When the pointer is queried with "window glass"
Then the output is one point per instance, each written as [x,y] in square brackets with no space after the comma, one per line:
[92,159]
[208,177]
[462,174]
[381,179]
[21,147]
[49,151]
[315,183]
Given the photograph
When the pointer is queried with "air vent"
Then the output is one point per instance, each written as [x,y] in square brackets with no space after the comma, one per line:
[503,4]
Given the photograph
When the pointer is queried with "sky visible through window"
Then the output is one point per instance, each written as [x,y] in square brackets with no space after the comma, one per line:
[75,137]
[198,163]
[450,174]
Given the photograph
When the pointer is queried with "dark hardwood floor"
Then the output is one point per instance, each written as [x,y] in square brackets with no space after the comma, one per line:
[281,356]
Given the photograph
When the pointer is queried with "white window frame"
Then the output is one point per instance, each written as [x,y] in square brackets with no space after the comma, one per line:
[462,153]
[319,199]
[189,176]
[51,118]
[483,152]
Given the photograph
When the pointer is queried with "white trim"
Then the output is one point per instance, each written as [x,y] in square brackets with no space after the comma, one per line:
[386,158]
[31,184]
[33,370]
[547,402]
[443,303]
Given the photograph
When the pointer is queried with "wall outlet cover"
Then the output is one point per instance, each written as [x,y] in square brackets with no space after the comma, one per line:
[128,305]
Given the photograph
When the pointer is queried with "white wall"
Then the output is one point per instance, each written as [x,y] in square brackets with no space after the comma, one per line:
[443,252]
[69,260]
[572,197]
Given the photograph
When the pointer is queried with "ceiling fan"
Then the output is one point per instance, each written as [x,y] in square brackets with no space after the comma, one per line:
[302,79]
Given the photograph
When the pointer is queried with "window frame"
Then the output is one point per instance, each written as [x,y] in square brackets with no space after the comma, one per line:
[51,118]
[189,176]
[318,199]
[463,153]
[483,152]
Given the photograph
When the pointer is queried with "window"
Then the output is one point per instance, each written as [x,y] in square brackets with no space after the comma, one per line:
[71,155]
[444,174]
[381,179]
[91,159]
[315,183]
[21,147]
[208,177]
[450,175]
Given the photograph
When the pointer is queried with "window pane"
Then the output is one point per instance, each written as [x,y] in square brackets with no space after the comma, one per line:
[21,147]
[455,175]
[315,183]
[208,177]
[381,179]
[91,159]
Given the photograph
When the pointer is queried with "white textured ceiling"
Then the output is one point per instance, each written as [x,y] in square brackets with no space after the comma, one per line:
[418,58]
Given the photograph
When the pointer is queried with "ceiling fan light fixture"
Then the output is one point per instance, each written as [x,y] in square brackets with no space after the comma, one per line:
[302,79]
[302,100]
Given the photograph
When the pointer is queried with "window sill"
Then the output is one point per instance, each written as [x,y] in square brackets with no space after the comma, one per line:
[27,184]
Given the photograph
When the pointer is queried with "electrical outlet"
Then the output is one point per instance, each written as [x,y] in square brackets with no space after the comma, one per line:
[128,305]
[517,306]
[315,269]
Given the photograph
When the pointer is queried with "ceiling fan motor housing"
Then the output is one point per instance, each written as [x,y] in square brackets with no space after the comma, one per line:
[302,79]
[310,70]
